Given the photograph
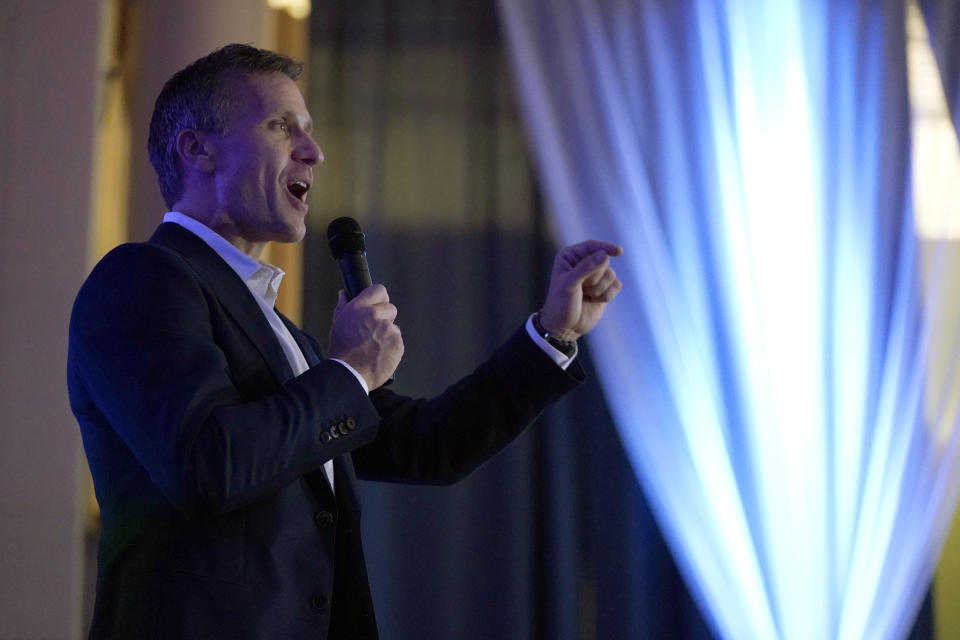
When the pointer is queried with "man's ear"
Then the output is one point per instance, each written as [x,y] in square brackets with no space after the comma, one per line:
[197,150]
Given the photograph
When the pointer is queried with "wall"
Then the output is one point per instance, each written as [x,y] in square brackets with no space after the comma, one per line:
[49,53]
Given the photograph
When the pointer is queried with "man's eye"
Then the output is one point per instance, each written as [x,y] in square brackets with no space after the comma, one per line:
[283,126]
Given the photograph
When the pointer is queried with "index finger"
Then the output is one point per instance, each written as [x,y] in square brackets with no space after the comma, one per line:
[374,294]
[588,247]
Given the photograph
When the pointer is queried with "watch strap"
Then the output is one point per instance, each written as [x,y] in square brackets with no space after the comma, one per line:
[567,348]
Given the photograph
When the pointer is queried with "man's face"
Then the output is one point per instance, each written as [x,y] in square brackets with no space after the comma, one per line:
[264,163]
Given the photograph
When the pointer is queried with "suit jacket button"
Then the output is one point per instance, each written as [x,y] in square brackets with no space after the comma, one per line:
[324,519]
[319,602]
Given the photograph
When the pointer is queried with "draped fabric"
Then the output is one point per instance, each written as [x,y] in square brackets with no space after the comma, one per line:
[943,22]
[767,362]
[414,109]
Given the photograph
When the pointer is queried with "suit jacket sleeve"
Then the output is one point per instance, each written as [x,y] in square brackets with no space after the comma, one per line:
[156,359]
[443,439]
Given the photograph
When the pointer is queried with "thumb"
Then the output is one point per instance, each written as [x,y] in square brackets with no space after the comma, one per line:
[341,299]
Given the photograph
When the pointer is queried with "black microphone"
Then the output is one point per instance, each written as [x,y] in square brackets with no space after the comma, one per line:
[350,252]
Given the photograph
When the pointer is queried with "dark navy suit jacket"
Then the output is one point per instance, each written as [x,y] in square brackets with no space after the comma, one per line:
[206,451]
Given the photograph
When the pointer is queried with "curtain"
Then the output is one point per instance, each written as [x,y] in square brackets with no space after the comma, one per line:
[767,362]
[943,21]
[414,109]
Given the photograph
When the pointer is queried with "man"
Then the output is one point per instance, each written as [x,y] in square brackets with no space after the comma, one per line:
[224,447]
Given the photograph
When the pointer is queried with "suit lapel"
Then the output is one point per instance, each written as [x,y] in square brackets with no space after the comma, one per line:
[306,346]
[231,291]
[236,298]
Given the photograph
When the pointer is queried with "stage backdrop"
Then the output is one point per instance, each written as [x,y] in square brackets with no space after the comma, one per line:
[778,364]
[415,111]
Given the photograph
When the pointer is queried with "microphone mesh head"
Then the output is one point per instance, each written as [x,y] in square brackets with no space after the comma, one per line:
[344,236]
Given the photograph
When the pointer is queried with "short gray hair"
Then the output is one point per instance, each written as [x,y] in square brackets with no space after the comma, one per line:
[200,97]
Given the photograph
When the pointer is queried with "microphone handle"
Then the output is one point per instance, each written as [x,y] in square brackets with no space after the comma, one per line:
[356,273]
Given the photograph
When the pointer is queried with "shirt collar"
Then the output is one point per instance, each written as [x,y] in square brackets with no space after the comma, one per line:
[262,278]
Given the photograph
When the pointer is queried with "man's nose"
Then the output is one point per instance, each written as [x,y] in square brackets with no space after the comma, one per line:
[309,152]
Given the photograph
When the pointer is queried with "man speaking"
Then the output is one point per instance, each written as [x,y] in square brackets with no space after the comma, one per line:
[224,445]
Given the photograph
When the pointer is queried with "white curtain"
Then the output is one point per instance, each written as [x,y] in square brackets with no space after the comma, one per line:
[768,362]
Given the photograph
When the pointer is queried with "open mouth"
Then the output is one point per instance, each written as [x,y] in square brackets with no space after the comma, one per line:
[299,190]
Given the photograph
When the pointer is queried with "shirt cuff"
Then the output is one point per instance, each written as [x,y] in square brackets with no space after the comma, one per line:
[563,361]
[363,383]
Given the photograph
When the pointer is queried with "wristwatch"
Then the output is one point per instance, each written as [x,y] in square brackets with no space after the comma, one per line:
[567,348]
